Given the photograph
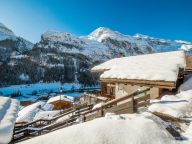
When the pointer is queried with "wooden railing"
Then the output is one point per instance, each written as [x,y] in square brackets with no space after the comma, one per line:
[130,106]
[40,121]
[37,126]
[122,105]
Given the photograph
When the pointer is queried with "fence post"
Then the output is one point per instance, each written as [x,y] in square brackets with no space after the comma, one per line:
[134,104]
[83,118]
[102,112]
[145,93]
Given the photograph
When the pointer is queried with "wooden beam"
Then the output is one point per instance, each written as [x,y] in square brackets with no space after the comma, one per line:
[99,71]
[169,118]
[96,97]
[160,84]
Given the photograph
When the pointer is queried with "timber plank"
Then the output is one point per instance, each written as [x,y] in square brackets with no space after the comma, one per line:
[142,98]
[142,104]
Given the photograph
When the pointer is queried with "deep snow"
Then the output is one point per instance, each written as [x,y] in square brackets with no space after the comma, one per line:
[158,66]
[8,113]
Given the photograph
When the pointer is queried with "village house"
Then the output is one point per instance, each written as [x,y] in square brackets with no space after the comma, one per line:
[61,102]
[161,72]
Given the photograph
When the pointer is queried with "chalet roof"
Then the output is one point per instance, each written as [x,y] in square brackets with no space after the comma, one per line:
[62,98]
[151,67]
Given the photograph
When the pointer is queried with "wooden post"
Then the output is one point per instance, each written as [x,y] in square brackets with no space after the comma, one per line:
[84,118]
[134,105]
[102,112]
[13,134]
[145,93]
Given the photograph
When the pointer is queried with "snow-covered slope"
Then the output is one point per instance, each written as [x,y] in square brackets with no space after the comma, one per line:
[179,105]
[106,43]
[8,113]
[60,56]
[5,30]
[10,44]
[68,43]
[111,129]
[102,33]
[162,45]
[119,43]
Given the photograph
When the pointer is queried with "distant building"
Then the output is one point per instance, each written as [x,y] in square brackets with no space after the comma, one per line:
[161,72]
[61,102]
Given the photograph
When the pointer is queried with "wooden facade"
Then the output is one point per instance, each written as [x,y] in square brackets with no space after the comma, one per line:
[110,87]
[108,90]
[189,62]
[61,104]
[114,89]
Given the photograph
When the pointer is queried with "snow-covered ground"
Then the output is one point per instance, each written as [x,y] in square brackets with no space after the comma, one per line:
[34,111]
[39,87]
[130,128]
[31,92]
[179,105]
[8,113]
[111,129]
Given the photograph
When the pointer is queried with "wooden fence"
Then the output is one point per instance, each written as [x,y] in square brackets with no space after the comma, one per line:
[27,130]
[92,99]
[122,105]
[127,104]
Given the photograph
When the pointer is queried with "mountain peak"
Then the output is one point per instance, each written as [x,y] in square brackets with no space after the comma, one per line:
[5,30]
[101,31]
[138,35]
[53,35]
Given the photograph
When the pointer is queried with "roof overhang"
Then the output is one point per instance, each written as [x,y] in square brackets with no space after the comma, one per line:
[98,71]
[150,83]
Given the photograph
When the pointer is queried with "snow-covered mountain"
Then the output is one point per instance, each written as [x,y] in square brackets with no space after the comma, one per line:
[162,45]
[138,43]
[5,30]
[61,56]
[10,44]
[105,43]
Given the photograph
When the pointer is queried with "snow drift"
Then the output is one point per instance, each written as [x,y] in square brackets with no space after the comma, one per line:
[28,113]
[112,129]
[179,105]
[8,113]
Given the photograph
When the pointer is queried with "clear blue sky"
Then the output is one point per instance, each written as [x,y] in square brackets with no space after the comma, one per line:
[169,19]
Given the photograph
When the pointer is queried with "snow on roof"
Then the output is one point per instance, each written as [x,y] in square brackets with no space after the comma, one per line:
[28,113]
[8,113]
[179,105]
[61,97]
[111,129]
[158,67]
[46,114]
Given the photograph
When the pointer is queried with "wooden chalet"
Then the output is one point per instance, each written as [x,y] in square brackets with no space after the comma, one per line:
[61,102]
[161,72]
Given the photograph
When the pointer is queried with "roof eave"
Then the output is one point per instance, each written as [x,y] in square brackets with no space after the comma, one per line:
[150,83]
